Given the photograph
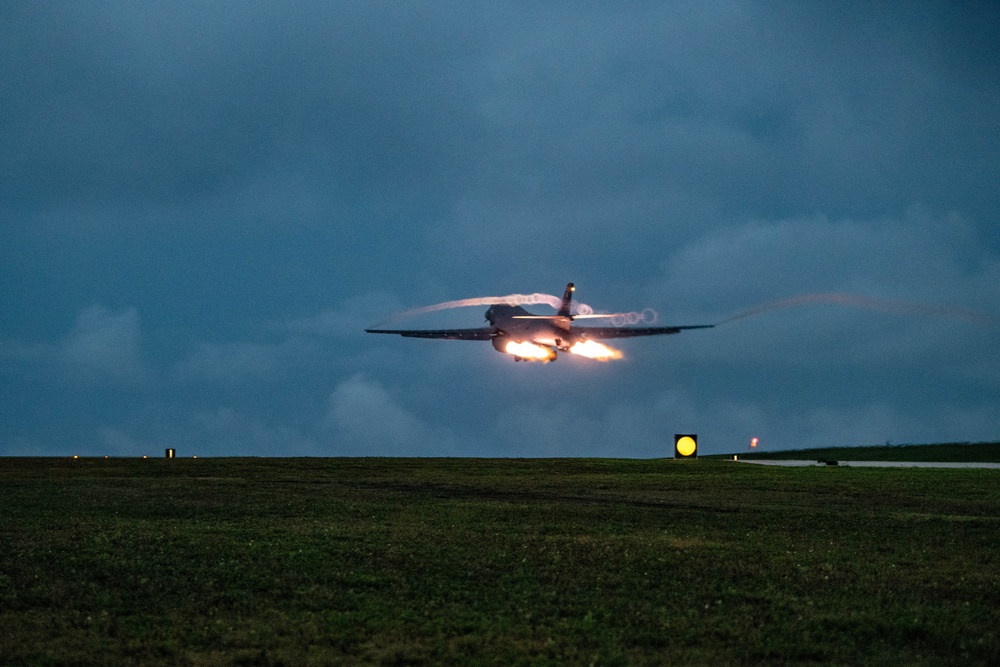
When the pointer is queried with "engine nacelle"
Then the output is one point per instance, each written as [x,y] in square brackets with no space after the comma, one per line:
[500,343]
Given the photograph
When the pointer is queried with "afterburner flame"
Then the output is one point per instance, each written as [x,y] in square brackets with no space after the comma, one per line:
[594,350]
[530,351]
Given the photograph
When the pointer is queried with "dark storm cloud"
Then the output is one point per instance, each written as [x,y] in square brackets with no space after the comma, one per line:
[102,347]
[121,101]
[206,204]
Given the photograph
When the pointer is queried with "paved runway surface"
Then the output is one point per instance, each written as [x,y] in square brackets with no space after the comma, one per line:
[874,464]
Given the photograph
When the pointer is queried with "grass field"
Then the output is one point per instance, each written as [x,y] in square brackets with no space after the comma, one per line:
[981,452]
[402,561]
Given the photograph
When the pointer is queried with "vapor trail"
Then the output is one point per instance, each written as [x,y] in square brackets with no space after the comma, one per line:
[580,310]
[884,305]
[510,299]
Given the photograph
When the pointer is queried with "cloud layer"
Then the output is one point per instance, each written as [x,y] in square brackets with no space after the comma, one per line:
[204,206]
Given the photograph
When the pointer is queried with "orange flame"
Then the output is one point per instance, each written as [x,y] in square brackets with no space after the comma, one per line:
[530,351]
[594,350]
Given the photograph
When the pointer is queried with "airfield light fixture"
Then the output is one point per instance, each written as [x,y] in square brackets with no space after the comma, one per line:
[685,446]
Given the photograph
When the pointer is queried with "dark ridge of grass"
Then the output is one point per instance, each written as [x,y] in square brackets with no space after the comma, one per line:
[485,561]
[980,452]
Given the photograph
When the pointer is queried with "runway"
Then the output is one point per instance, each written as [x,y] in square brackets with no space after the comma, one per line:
[873,464]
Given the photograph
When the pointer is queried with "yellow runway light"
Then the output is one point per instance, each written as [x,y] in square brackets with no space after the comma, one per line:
[685,446]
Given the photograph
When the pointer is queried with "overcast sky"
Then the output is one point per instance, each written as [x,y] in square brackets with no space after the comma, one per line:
[204,204]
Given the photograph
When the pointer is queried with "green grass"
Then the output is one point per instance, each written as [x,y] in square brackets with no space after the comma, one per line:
[402,561]
[982,452]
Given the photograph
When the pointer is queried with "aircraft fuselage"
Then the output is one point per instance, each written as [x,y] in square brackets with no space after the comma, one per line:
[518,324]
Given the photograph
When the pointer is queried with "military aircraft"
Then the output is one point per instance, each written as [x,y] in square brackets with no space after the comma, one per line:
[528,337]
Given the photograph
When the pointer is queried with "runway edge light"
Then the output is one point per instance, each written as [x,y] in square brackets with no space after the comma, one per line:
[685,446]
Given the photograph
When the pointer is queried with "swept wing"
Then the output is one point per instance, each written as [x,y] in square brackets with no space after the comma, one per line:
[628,332]
[482,333]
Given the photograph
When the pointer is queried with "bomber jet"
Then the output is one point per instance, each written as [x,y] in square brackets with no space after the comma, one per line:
[529,337]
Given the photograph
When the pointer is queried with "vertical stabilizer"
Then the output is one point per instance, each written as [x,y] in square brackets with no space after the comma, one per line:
[566,300]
